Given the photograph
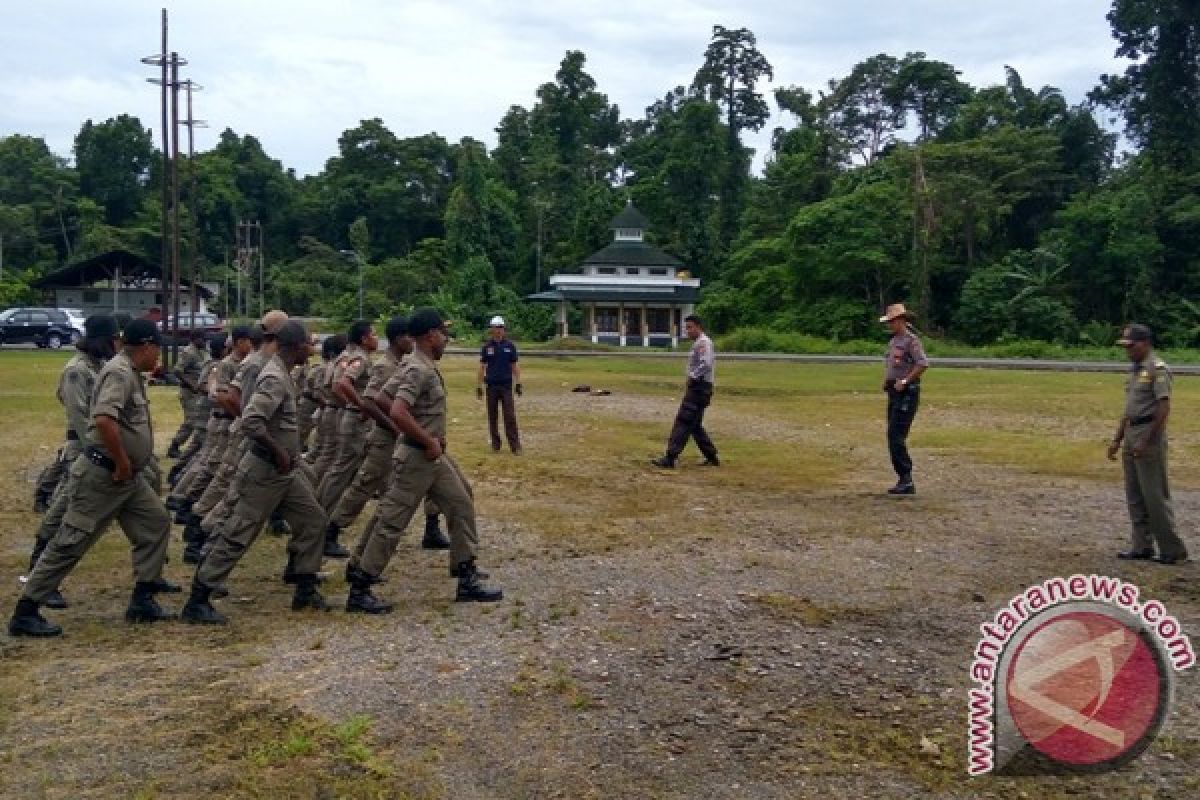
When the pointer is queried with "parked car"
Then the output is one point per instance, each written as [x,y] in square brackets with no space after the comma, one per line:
[212,326]
[77,317]
[45,327]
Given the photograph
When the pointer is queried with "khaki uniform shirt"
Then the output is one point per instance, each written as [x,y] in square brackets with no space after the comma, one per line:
[904,351]
[419,383]
[271,409]
[382,371]
[204,382]
[322,391]
[75,388]
[191,361]
[121,394]
[1149,381]
[244,381]
[354,363]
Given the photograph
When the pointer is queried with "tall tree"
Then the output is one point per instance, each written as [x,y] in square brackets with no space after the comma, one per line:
[732,69]
[1159,94]
[113,159]
[864,107]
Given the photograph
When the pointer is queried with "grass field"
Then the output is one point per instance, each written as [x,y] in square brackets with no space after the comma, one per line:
[773,628]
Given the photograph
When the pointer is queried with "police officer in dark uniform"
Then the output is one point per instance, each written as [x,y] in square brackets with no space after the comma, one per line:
[499,370]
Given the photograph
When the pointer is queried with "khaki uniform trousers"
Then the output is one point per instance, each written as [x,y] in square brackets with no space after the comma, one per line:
[352,448]
[260,489]
[305,408]
[94,500]
[324,449]
[54,477]
[204,466]
[414,477]
[187,402]
[1148,496]
[219,485]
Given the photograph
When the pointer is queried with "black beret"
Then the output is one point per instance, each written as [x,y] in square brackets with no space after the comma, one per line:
[424,320]
[240,332]
[100,326]
[397,326]
[141,331]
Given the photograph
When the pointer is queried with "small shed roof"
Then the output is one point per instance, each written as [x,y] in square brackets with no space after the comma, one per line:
[133,271]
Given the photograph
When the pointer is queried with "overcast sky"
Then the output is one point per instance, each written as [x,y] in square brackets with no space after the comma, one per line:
[296,73]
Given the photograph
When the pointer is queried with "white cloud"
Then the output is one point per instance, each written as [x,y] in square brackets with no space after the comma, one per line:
[296,74]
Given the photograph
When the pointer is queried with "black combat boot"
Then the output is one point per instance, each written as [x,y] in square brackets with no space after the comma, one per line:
[711,461]
[41,501]
[434,538]
[470,589]
[904,486]
[332,548]
[278,526]
[360,600]
[291,577]
[194,538]
[199,610]
[143,607]
[665,462]
[306,594]
[26,621]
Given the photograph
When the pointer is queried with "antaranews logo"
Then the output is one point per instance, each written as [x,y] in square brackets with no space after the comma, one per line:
[1072,675]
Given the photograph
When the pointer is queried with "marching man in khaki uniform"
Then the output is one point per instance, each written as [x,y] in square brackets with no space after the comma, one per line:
[347,381]
[420,466]
[269,476]
[187,371]
[111,480]
[1143,430]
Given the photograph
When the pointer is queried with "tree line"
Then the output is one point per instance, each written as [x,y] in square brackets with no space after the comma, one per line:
[996,212]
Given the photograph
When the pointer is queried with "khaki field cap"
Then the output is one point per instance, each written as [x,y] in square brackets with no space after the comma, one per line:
[273,320]
[895,310]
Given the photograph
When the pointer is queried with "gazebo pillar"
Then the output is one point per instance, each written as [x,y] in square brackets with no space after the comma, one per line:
[563,330]
[621,322]
[591,322]
[645,328]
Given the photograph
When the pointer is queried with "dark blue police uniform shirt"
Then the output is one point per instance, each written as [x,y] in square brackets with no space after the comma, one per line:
[499,358]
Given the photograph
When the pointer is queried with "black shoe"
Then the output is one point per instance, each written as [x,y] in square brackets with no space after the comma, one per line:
[41,503]
[483,576]
[55,601]
[434,538]
[306,595]
[1137,555]
[903,486]
[711,462]
[143,607]
[278,526]
[199,610]
[332,548]
[26,621]
[1168,561]
[361,601]
[470,590]
[665,462]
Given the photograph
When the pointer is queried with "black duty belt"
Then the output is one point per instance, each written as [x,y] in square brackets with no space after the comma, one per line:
[262,452]
[72,436]
[100,458]
[221,415]
[415,444]
[1141,420]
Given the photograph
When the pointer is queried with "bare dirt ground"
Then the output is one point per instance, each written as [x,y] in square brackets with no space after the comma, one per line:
[775,628]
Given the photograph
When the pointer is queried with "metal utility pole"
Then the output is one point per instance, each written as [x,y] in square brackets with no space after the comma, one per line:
[169,64]
[192,123]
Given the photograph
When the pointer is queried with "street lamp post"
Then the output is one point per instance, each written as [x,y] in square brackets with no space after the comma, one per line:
[357,256]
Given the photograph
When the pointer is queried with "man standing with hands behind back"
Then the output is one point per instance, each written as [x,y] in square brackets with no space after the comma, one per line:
[1143,430]
[498,368]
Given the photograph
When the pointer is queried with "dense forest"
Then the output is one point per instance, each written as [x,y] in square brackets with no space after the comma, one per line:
[997,212]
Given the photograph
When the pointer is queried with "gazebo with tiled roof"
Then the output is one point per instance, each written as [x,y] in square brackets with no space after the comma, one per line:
[631,293]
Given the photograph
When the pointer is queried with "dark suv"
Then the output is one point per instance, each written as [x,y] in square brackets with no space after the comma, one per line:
[45,327]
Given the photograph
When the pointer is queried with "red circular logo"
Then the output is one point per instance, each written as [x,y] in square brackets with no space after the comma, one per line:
[1084,689]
